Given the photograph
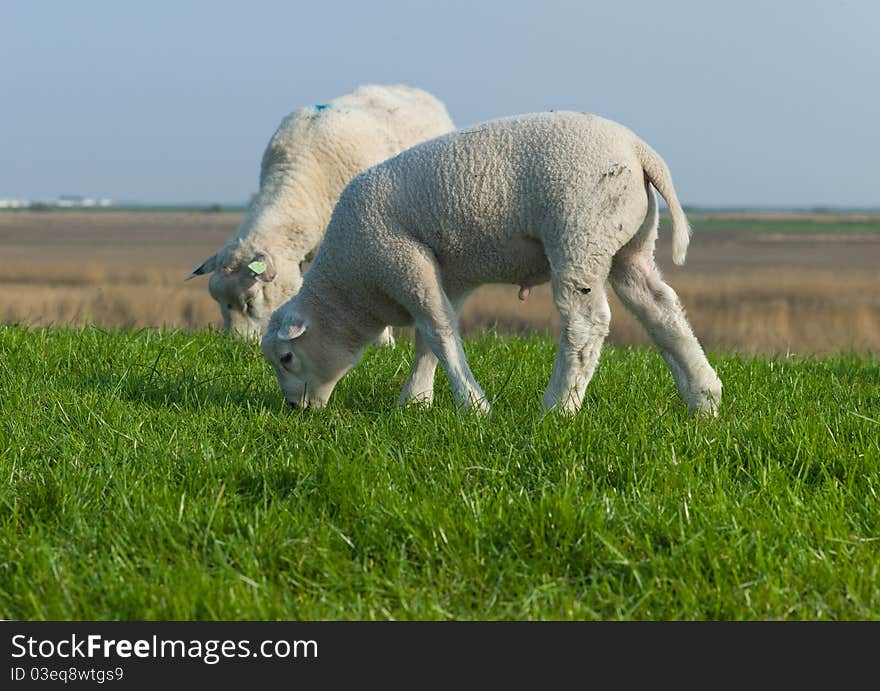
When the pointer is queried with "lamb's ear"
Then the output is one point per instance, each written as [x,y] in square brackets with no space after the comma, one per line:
[262,267]
[205,267]
[292,329]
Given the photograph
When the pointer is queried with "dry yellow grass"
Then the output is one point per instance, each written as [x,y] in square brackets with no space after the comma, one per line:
[751,293]
[780,311]
[122,297]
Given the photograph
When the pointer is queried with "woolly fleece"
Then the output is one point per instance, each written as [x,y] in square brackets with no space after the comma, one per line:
[312,155]
[557,196]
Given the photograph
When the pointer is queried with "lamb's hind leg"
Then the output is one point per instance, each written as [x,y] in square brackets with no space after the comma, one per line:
[585,317]
[639,286]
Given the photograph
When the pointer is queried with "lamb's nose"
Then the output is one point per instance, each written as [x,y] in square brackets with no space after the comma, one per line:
[293,403]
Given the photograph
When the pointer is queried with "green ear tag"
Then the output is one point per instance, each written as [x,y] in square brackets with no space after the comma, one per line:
[257,267]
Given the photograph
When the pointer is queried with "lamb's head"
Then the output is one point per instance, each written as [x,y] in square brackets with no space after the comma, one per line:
[244,286]
[307,361]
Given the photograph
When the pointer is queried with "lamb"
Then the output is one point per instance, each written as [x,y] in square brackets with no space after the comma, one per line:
[559,196]
[312,155]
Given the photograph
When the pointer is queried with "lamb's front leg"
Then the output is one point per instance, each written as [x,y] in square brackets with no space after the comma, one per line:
[419,387]
[446,345]
[419,289]
[386,338]
[585,318]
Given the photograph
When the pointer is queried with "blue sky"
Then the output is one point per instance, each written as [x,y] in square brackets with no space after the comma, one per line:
[750,103]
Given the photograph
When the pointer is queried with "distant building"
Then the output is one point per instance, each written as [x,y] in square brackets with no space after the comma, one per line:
[14,203]
[74,201]
[64,201]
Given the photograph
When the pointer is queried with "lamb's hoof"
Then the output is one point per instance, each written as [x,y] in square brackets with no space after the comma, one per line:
[567,407]
[477,406]
[707,403]
[706,412]
[423,400]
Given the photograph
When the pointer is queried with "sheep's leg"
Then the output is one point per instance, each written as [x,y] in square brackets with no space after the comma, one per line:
[640,288]
[436,320]
[585,317]
[419,387]
[386,337]
[444,340]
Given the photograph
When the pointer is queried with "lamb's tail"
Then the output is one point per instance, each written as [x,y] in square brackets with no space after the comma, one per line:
[657,172]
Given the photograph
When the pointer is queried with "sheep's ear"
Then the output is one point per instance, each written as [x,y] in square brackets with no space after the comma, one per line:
[205,267]
[262,267]
[293,329]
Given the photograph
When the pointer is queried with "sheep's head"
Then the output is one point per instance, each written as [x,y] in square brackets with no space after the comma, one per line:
[307,363]
[244,287]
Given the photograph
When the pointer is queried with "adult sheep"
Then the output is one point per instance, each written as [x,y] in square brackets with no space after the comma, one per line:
[310,158]
[560,196]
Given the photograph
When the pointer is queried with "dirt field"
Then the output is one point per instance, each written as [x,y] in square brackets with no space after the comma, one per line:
[765,283]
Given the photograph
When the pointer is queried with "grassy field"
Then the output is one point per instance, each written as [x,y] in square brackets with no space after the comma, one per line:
[152,475]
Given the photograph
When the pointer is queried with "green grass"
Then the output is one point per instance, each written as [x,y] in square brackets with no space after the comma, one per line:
[160,476]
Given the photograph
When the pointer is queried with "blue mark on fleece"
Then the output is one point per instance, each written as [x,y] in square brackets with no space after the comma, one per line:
[321,106]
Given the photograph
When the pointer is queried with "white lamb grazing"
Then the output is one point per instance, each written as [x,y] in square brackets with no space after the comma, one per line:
[564,197]
[311,157]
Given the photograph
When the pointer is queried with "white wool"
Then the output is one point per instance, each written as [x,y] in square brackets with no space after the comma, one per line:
[561,197]
[310,158]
